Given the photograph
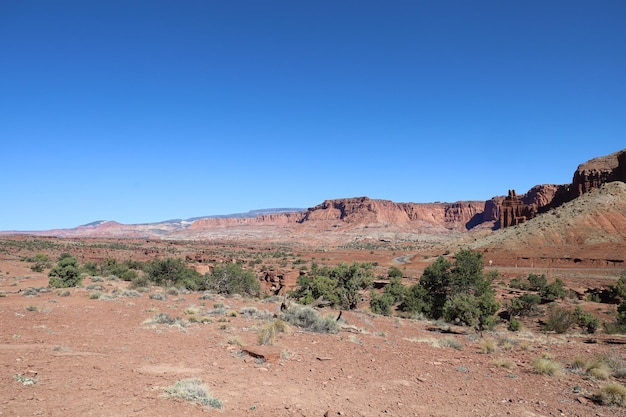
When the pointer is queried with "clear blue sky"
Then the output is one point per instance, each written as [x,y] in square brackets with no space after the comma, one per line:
[140,111]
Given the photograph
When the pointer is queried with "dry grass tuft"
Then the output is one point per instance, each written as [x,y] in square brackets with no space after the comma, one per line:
[487,346]
[268,332]
[546,366]
[613,394]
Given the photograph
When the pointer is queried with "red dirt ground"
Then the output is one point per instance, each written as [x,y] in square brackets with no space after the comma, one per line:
[94,357]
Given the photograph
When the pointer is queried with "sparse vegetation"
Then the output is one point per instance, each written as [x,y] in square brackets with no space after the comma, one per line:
[268,332]
[545,365]
[193,391]
[309,319]
[613,394]
[165,318]
[488,346]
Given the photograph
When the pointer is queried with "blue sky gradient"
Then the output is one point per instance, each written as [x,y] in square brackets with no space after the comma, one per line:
[141,111]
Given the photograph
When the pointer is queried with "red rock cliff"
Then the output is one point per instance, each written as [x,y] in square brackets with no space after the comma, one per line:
[595,172]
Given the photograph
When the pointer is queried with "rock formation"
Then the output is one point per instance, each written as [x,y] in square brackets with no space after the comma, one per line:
[592,174]
[513,211]
[539,199]
[350,219]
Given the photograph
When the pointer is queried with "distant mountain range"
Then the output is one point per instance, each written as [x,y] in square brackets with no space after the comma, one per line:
[342,221]
[251,213]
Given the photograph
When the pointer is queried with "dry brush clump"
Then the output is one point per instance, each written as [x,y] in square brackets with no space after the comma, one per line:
[612,394]
[165,318]
[546,365]
[193,391]
[309,319]
[268,332]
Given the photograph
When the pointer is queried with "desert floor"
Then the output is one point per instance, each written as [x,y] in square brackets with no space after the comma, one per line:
[70,354]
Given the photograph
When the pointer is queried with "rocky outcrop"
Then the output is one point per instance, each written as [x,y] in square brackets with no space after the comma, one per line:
[363,210]
[276,219]
[513,211]
[539,199]
[595,172]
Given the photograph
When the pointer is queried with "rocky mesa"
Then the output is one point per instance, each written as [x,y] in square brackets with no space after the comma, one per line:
[347,219]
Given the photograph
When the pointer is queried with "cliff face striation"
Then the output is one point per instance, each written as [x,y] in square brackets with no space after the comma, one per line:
[363,211]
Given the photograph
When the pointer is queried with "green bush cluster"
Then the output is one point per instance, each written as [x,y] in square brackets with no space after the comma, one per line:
[40,262]
[458,292]
[127,270]
[523,305]
[231,278]
[66,272]
[539,283]
[339,286]
[381,303]
[561,319]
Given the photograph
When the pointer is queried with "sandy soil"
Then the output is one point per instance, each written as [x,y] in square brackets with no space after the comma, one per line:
[95,357]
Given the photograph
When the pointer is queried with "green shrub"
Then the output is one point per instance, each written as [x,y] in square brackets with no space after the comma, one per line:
[514,325]
[459,291]
[394,272]
[523,305]
[470,310]
[519,283]
[381,303]
[553,291]
[537,282]
[415,300]
[40,262]
[586,321]
[396,289]
[619,289]
[174,272]
[65,273]
[232,279]
[559,319]
[339,286]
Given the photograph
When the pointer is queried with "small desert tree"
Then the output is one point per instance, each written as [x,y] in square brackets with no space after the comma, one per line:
[231,278]
[381,303]
[457,292]
[66,272]
[40,262]
[174,272]
[338,286]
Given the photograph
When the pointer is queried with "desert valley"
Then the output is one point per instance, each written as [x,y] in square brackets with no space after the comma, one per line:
[325,312]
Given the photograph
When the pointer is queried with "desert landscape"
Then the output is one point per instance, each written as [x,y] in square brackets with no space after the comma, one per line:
[118,342]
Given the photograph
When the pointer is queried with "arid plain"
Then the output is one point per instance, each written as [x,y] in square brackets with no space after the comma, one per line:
[98,350]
